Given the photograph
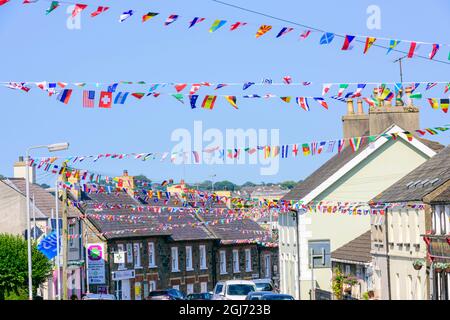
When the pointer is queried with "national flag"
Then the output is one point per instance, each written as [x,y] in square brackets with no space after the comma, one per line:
[179,97]
[220,85]
[193,100]
[414,86]
[390,96]
[342,88]
[208,102]
[99,10]
[306,150]
[338,98]
[408,135]
[18,85]
[370,102]
[347,41]
[416,96]
[305,34]
[78,8]
[195,21]
[313,148]
[330,147]
[121,97]
[385,93]
[444,105]
[284,31]
[113,87]
[217,24]
[88,98]
[284,151]
[196,156]
[306,83]
[194,88]
[51,88]
[286,99]
[412,47]
[2,2]
[262,30]
[62,84]
[294,150]
[434,51]
[53,6]
[180,86]
[369,42]
[125,15]
[105,99]
[360,87]
[24,1]
[287,79]
[232,101]
[252,96]
[355,143]
[148,16]
[430,85]
[80,84]
[322,102]
[392,45]
[433,103]
[138,95]
[325,88]
[447,87]
[431,131]
[275,151]
[326,38]
[171,19]
[64,96]
[341,144]
[320,147]
[236,25]
[247,85]
[303,102]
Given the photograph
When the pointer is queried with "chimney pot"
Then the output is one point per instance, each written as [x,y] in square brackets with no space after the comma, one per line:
[20,158]
[125,173]
[350,109]
[360,109]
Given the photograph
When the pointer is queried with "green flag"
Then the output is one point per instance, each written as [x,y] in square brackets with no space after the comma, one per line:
[416,96]
[179,97]
[53,6]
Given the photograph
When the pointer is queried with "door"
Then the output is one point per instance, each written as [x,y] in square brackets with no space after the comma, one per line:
[126,289]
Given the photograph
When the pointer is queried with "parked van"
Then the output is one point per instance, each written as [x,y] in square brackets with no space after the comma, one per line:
[233,289]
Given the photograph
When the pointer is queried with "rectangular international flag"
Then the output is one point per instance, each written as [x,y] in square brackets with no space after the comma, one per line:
[148,16]
[303,102]
[64,96]
[208,102]
[306,149]
[120,97]
[88,98]
[444,105]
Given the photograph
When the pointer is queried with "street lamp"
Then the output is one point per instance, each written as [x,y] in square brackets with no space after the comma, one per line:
[212,183]
[51,148]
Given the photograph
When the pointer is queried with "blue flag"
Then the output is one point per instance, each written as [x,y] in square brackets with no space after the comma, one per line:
[193,99]
[247,85]
[327,38]
[121,97]
[48,245]
[113,87]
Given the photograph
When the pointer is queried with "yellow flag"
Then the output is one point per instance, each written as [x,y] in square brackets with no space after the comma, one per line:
[369,43]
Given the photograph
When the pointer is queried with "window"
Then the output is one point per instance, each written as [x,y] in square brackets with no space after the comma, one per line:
[189,258]
[223,262]
[71,232]
[248,260]
[418,288]
[408,230]
[190,288]
[174,259]
[400,227]
[129,253]
[203,287]
[267,266]
[202,249]
[151,286]
[151,254]
[348,269]
[120,249]
[137,255]
[235,261]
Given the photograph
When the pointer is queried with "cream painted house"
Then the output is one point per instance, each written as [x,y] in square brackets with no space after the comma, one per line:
[416,210]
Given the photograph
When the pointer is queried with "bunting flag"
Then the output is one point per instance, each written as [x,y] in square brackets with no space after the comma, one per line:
[385,93]
[171,19]
[220,85]
[412,47]
[121,97]
[341,144]
[326,38]
[179,97]
[208,102]
[392,45]
[284,151]
[113,87]
[236,25]
[369,42]
[433,103]
[193,100]
[262,30]
[347,41]
[355,143]
[2,2]
[53,6]
[430,85]
[331,145]
[77,10]
[99,10]
[303,102]
[305,34]
[338,98]
[88,98]
[325,88]
[370,102]
[180,86]
[125,15]
[306,150]
[216,25]
[342,88]
[195,21]
[232,101]
[286,99]
[287,79]
[247,85]
[148,16]
[447,87]
[284,31]
[138,95]
[194,88]
[416,96]
[105,99]
[64,96]
[322,102]
[444,105]
[294,150]
[434,50]
[359,89]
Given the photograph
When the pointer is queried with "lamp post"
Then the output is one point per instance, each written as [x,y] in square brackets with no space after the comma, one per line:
[51,148]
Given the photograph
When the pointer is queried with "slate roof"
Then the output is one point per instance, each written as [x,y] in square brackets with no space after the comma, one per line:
[334,164]
[45,201]
[357,250]
[421,181]
[444,196]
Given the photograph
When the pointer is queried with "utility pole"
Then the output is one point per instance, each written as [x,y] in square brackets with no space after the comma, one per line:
[64,233]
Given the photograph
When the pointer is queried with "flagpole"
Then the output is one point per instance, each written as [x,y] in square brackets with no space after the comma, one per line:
[57,239]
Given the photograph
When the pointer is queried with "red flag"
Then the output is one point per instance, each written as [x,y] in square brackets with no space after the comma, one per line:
[236,25]
[411,49]
[347,41]
[78,8]
[179,87]
[98,11]
[434,51]
[2,2]
[105,99]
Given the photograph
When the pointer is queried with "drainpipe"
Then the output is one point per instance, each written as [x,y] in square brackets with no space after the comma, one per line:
[388,266]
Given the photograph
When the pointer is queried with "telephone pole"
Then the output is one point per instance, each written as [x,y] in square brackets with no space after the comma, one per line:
[64,232]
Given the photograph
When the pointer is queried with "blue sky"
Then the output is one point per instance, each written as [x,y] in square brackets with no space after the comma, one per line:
[36,47]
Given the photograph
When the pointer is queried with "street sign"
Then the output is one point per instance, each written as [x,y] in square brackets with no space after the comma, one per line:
[96,263]
[119,257]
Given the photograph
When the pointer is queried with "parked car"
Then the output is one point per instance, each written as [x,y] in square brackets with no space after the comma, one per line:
[199,296]
[168,294]
[277,296]
[99,296]
[257,295]
[264,285]
[233,289]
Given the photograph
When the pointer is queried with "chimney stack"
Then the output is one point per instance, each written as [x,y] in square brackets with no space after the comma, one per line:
[127,182]
[360,109]
[20,170]
[355,125]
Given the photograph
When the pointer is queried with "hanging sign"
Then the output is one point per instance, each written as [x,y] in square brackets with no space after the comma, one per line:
[96,263]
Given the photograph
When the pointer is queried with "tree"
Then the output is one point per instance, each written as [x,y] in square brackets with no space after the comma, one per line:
[142,177]
[44,185]
[14,265]
[288,184]
[248,184]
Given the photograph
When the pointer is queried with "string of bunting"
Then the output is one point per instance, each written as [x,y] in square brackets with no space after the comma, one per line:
[326,38]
